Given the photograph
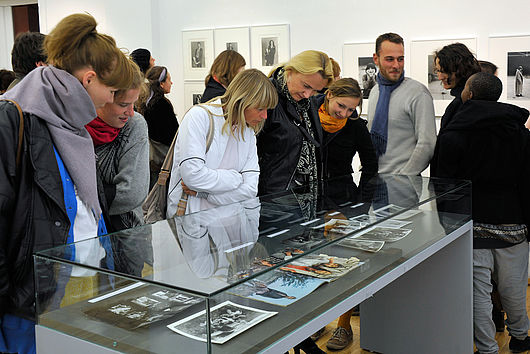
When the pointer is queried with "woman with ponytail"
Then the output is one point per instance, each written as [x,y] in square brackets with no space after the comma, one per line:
[48,190]
[161,120]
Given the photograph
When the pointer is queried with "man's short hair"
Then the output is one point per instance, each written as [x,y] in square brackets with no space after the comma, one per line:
[27,50]
[485,86]
[391,37]
[487,67]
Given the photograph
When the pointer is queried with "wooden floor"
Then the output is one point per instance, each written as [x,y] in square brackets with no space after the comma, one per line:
[502,338]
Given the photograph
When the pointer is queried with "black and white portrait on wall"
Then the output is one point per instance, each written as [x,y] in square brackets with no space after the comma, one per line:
[269,51]
[517,82]
[196,98]
[435,85]
[231,46]
[197,54]
[367,75]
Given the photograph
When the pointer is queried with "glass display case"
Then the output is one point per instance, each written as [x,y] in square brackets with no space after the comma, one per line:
[263,274]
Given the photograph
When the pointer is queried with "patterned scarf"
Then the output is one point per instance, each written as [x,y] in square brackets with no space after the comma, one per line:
[379,131]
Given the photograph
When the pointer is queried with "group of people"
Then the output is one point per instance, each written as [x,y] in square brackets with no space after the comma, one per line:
[97,128]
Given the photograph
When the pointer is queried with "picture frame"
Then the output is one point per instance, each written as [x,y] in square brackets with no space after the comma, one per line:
[508,53]
[270,46]
[355,59]
[422,68]
[192,93]
[198,53]
[236,38]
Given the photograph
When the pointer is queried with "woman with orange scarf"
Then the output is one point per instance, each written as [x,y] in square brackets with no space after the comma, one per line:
[345,133]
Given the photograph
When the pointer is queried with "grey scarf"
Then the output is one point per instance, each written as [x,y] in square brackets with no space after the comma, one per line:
[59,99]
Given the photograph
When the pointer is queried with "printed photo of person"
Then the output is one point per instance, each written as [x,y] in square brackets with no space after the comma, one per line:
[517,84]
[367,75]
[231,46]
[197,54]
[268,50]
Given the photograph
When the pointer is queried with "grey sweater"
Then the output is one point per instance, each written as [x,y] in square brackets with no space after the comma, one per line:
[124,163]
[411,128]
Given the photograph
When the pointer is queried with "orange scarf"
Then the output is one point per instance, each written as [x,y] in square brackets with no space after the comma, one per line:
[330,124]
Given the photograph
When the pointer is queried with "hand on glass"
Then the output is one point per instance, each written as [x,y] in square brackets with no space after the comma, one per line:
[188,191]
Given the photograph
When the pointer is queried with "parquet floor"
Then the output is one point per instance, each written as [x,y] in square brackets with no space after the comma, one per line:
[502,338]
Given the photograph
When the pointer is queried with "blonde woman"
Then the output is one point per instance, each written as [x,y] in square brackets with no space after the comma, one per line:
[289,145]
[228,172]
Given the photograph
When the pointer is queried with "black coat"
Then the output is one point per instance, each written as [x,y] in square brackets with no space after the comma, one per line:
[213,89]
[161,121]
[340,147]
[487,143]
[32,212]
[280,143]
[449,113]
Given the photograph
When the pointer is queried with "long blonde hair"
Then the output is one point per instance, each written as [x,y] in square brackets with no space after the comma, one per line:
[249,89]
[309,62]
[74,44]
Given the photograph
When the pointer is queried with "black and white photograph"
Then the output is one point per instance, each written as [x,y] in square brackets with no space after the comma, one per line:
[388,210]
[141,307]
[231,46]
[363,245]
[196,98]
[383,234]
[269,51]
[197,54]
[367,75]
[518,79]
[435,85]
[394,224]
[364,219]
[227,321]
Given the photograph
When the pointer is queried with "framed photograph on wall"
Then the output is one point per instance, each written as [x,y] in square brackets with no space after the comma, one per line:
[237,39]
[358,63]
[270,46]
[192,93]
[512,57]
[422,68]
[198,53]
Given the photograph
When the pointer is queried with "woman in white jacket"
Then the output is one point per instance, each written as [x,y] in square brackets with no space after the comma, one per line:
[228,171]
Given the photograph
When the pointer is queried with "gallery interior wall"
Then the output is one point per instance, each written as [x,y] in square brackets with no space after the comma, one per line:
[157,24]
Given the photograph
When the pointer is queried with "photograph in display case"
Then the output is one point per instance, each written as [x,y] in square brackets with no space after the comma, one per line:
[270,46]
[278,287]
[383,234]
[362,244]
[358,63]
[422,68]
[236,38]
[227,320]
[322,266]
[198,53]
[140,307]
[511,54]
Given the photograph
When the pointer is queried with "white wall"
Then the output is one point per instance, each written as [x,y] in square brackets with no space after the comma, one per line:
[157,24]
[6,37]
[128,21]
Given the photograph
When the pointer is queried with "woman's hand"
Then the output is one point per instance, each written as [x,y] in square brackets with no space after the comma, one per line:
[188,191]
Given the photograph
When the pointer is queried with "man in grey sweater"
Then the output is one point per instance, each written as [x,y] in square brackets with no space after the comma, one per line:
[400,113]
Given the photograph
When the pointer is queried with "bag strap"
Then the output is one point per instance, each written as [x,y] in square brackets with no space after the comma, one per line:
[165,170]
[20,130]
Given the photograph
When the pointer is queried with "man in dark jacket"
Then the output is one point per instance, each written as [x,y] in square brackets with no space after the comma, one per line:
[27,54]
[486,142]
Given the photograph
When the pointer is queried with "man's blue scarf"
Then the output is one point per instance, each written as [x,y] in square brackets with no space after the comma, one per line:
[379,131]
